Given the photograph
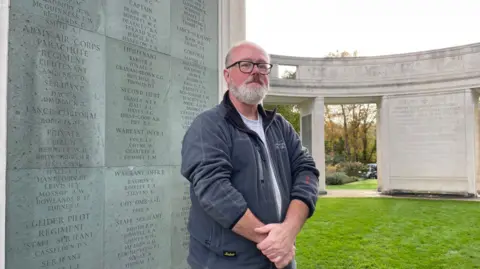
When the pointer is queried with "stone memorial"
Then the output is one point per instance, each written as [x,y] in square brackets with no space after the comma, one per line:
[99,95]
[427,125]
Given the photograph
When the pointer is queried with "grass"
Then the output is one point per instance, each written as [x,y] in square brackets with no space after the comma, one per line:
[368,184]
[391,233]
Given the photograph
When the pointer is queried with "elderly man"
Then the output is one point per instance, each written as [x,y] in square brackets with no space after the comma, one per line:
[252,184]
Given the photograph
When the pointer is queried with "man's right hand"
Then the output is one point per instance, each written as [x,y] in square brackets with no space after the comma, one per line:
[285,260]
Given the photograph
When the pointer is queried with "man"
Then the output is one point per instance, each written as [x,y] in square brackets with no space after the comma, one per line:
[252,185]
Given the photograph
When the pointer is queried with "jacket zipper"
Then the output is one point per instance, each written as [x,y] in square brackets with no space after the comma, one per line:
[259,164]
[274,176]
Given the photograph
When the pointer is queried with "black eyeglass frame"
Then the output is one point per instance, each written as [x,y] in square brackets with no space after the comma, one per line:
[253,66]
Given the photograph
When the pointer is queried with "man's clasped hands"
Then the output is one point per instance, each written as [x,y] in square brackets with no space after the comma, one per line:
[278,243]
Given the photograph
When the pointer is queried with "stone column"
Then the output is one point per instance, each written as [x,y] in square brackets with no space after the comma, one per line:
[312,130]
[477,140]
[3,122]
[232,29]
[382,144]
[471,114]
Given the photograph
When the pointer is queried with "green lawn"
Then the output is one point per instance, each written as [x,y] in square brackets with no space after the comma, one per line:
[368,184]
[391,233]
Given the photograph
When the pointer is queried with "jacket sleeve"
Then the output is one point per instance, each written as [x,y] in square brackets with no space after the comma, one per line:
[206,164]
[304,172]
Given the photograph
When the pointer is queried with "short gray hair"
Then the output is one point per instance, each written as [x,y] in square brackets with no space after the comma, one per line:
[241,43]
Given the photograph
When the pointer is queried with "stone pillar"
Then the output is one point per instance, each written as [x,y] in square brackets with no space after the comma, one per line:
[312,131]
[476,93]
[382,144]
[3,123]
[232,28]
[275,73]
[471,111]
[472,135]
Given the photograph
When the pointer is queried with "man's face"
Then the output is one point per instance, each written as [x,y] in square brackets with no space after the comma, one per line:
[248,82]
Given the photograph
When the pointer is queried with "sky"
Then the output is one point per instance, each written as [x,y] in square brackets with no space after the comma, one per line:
[313,28]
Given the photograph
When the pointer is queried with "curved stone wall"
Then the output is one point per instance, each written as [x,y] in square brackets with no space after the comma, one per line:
[434,70]
[427,125]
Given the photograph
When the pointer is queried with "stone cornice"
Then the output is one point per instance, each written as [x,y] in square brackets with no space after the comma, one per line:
[455,64]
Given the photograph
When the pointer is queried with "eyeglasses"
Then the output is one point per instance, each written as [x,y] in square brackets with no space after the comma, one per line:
[247,67]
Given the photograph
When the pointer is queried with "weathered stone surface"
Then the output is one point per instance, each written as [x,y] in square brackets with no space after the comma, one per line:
[138,214]
[193,90]
[138,125]
[428,149]
[179,219]
[194,32]
[306,130]
[84,14]
[55,218]
[100,93]
[142,23]
[56,94]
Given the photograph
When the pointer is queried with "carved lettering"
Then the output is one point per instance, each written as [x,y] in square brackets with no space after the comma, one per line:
[57,105]
[65,224]
[139,22]
[194,92]
[138,213]
[388,70]
[180,234]
[136,105]
[427,132]
[78,13]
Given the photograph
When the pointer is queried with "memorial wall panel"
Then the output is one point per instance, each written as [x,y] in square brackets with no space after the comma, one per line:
[179,220]
[138,123]
[137,217]
[100,94]
[194,31]
[142,23]
[194,65]
[83,14]
[55,218]
[56,94]
[427,136]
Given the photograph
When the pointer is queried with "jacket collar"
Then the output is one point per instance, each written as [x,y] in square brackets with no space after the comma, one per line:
[234,116]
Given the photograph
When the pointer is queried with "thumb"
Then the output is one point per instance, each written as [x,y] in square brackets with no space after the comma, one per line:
[263,229]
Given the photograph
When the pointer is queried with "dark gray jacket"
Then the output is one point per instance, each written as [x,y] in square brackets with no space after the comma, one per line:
[227,166]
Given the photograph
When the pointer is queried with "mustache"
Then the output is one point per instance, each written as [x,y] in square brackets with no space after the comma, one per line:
[254,79]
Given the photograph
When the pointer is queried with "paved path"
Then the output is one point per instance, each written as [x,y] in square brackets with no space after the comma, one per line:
[372,193]
[352,193]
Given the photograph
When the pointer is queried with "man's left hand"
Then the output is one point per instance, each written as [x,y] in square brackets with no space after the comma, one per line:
[278,243]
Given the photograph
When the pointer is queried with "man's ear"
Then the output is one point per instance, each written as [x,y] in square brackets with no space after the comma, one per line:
[226,75]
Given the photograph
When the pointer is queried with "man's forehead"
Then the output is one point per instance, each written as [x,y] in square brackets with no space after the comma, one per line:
[249,53]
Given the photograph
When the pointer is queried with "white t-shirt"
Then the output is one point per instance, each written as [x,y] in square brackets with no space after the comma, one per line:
[257,126]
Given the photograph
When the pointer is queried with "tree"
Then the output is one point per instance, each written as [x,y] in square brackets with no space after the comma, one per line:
[289,74]
[289,112]
[342,54]
[350,129]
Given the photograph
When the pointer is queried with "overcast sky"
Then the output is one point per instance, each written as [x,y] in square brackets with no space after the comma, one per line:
[372,27]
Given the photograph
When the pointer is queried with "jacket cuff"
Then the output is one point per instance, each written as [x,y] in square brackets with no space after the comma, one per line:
[237,219]
[310,205]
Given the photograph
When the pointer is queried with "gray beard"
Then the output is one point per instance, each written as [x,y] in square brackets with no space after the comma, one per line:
[251,96]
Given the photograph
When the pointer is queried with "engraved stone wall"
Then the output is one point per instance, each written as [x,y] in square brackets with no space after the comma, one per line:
[427,148]
[100,94]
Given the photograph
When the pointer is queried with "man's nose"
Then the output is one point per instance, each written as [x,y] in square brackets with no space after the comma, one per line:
[255,70]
